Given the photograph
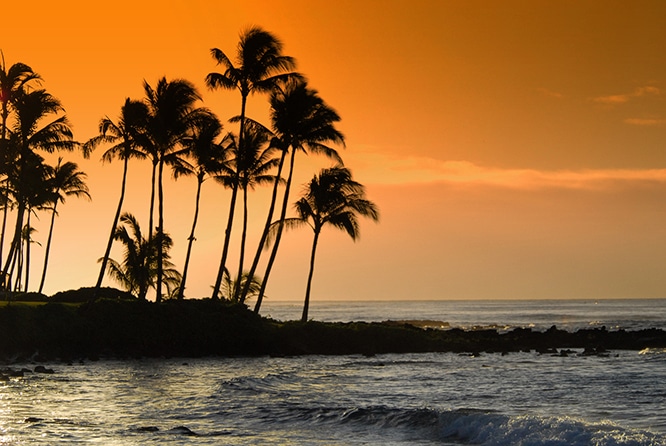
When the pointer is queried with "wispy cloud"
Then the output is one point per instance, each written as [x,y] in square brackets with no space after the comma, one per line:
[377,168]
[550,93]
[617,99]
[646,122]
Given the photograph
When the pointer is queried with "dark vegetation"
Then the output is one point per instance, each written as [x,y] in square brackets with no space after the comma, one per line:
[120,326]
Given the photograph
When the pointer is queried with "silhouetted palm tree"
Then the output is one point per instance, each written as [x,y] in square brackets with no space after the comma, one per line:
[301,121]
[28,135]
[31,188]
[207,157]
[123,135]
[253,164]
[138,270]
[65,180]
[259,67]
[12,81]
[231,288]
[228,176]
[172,113]
[331,198]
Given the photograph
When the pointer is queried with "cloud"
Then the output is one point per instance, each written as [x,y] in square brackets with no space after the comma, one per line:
[647,122]
[616,99]
[371,167]
[550,93]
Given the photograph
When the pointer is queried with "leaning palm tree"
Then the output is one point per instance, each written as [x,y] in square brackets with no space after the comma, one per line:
[124,137]
[138,270]
[207,156]
[65,180]
[172,113]
[301,121]
[331,198]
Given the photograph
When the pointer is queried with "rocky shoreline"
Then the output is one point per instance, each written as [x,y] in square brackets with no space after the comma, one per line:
[195,328]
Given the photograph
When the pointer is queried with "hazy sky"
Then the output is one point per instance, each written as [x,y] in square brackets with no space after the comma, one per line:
[516,149]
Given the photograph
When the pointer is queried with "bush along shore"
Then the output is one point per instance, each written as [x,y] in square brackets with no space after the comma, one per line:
[122,328]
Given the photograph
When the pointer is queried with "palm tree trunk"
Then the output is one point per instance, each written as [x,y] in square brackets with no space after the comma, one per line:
[160,232]
[18,260]
[190,239]
[16,240]
[27,252]
[278,236]
[5,211]
[48,247]
[152,202]
[306,304]
[109,244]
[242,248]
[264,234]
[225,249]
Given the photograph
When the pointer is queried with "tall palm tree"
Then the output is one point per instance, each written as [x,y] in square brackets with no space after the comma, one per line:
[124,137]
[12,81]
[301,121]
[259,67]
[28,135]
[207,157]
[172,113]
[31,188]
[137,272]
[228,176]
[254,164]
[66,180]
[331,198]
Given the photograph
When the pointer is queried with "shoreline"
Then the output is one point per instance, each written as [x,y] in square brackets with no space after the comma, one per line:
[196,328]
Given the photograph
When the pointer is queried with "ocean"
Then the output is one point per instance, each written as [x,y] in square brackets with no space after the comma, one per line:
[394,399]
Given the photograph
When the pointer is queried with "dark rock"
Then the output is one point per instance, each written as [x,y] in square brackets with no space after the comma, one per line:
[182,430]
[42,369]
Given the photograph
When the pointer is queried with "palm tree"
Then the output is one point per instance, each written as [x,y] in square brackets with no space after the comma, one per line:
[231,288]
[331,198]
[65,181]
[32,191]
[171,114]
[207,156]
[31,108]
[301,121]
[12,81]
[259,67]
[123,136]
[253,164]
[229,178]
[138,270]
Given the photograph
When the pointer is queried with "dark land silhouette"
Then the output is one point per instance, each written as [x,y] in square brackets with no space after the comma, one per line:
[118,325]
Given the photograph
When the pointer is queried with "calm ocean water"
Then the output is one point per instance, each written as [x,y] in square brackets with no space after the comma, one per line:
[412,399]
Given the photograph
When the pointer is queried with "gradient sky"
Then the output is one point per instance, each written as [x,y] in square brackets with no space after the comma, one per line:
[516,149]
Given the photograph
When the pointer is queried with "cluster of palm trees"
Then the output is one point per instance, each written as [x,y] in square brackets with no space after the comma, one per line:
[31,124]
[170,128]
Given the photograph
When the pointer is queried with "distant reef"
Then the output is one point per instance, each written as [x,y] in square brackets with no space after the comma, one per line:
[117,326]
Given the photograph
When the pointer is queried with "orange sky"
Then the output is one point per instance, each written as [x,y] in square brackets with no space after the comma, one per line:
[515,149]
